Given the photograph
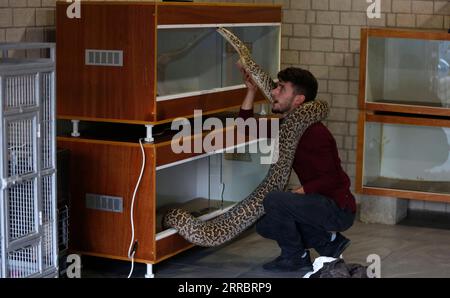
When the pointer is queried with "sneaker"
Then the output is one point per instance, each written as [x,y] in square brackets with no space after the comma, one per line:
[334,248]
[285,264]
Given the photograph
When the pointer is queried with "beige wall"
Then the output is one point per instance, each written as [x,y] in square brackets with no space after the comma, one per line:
[27,20]
[320,35]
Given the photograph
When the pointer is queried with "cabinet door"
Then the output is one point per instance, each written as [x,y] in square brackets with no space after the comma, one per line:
[196,66]
[105,62]
[405,72]
[103,178]
[21,207]
[194,60]
[207,186]
[405,157]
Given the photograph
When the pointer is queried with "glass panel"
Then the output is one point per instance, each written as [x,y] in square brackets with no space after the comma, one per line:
[408,71]
[198,59]
[406,157]
[236,175]
[182,186]
[210,183]
[263,43]
[188,60]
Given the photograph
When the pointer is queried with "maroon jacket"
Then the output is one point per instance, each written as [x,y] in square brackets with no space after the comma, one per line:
[318,166]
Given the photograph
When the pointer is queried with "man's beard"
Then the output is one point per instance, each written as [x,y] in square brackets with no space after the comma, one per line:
[276,111]
[279,110]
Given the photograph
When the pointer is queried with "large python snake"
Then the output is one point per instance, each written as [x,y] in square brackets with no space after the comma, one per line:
[230,224]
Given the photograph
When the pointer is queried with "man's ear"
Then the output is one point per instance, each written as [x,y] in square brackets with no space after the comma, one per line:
[299,99]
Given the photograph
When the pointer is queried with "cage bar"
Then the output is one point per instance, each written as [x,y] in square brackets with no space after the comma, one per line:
[28,223]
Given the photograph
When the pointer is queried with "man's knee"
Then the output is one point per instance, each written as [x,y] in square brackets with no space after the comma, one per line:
[272,200]
[267,228]
[261,227]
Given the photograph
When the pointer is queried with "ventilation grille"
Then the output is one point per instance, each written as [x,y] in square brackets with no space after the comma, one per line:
[104,57]
[105,203]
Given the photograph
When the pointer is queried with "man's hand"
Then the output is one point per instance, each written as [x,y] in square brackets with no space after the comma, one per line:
[298,190]
[247,104]
[248,81]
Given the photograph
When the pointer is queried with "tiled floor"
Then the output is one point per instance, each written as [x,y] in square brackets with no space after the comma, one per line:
[405,251]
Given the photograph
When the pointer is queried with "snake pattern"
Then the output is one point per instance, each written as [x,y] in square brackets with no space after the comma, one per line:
[241,216]
[264,82]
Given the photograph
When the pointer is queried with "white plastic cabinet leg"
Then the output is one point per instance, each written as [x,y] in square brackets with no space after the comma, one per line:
[149,273]
[149,136]
[264,109]
[75,132]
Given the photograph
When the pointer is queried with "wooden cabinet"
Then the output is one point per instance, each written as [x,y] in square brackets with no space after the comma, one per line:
[104,174]
[124,64]
[150,62]
[404,124]
[405,71]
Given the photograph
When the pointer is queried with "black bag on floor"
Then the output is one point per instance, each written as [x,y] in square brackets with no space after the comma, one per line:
[338,269]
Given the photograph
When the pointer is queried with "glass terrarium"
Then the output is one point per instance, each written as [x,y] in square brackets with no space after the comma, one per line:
[208,185]
[194,60]
[408,71]
[407,157]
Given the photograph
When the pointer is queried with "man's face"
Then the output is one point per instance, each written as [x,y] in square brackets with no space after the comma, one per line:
[284,98]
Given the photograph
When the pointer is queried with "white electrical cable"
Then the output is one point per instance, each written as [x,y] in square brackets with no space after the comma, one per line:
[131,254]
[132,265]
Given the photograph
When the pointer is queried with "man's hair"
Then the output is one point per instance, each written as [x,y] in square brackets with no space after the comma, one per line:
[304,81]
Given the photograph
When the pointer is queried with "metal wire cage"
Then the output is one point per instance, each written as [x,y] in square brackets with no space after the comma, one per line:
[28,220]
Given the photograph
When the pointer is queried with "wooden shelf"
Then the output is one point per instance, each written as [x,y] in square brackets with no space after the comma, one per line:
[410,185]
[114,103]
[127,94]
[111,168]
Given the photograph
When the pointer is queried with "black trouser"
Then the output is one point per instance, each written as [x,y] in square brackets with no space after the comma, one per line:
[298,222]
